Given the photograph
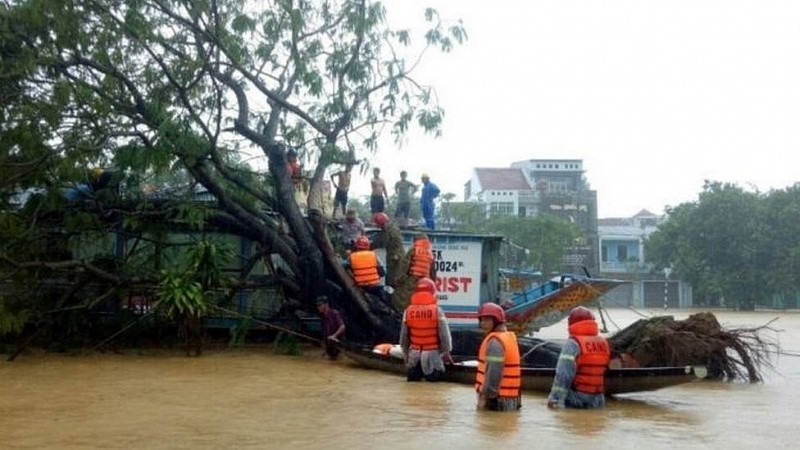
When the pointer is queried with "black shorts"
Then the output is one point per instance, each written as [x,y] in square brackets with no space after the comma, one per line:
[403,209]
[376,204]
[340,198]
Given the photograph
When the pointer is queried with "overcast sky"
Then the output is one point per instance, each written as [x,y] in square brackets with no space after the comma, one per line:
[653,96]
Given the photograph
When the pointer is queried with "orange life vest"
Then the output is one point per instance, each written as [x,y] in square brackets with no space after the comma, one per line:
[422,319]
[421,259]
[364,265]
[383,349]
[591,364]
[511,381]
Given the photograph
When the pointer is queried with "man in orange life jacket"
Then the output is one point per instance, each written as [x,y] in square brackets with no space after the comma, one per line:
[424,335]
[365,267]
[581,368]
[497,380]
[420,258]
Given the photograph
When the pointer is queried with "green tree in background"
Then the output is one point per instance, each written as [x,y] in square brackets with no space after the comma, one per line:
[546,237]
[718,244]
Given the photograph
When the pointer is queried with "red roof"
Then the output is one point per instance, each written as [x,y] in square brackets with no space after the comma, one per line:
[502,179]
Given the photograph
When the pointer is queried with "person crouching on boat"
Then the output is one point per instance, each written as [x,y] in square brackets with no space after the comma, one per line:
[497,380]
[581,367]
[424,335]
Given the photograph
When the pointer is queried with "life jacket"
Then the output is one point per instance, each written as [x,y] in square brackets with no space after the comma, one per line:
[421,259]
[382,349]
[422,319]
[591,364]
[511,381]
[364,265]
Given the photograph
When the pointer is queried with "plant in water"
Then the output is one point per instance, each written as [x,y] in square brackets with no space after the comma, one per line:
[286,344]
[239,333]
[186,296]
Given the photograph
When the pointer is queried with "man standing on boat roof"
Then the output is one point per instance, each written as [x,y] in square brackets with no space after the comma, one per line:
[581,368]
[424,335]
[426,201]
[497,380]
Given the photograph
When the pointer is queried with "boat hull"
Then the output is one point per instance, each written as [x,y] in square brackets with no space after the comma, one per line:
[536,308]
[618,381]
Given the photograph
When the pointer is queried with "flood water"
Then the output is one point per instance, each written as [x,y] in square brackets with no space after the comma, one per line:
[256,399]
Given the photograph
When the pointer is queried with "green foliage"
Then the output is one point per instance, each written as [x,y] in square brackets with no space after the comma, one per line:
[13,314]
[286,344]
[174,94]
[179,296]
[191,292]
[239,332]
[546,238]
[732,245]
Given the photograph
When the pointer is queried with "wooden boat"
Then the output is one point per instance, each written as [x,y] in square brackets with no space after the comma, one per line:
[540,379]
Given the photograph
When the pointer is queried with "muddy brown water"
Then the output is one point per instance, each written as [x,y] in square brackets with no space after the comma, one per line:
[256,399]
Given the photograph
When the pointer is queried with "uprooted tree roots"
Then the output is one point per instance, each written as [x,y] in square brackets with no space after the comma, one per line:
[699,340]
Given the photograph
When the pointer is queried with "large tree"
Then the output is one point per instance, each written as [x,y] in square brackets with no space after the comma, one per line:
[149,87]
[717,244]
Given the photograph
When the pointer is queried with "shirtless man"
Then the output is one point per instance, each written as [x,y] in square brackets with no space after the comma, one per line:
[376,199]
[341,182]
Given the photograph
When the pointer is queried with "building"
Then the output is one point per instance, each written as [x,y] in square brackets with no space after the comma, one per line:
[622,256]
[552,186]
[502,191]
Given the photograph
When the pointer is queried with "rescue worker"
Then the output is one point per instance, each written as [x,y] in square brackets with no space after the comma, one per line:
[393,243]
[497,380]
[421,258]
[581,367]
[365,267]
[424,335]
[351,228]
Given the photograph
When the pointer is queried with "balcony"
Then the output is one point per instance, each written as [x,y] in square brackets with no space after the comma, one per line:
[624,267]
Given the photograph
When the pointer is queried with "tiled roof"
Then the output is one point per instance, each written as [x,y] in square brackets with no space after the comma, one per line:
[502,179]
[644,213]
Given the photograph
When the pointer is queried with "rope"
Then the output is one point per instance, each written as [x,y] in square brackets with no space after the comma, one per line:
[532,349]
[270,325]
[125,328]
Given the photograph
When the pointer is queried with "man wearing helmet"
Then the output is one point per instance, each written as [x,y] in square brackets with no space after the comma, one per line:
[497,380]
[420,258]
[367,271]
[424,335]
[352,227]
[580,372]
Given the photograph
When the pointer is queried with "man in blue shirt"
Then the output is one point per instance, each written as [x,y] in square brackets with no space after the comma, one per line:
[429,192]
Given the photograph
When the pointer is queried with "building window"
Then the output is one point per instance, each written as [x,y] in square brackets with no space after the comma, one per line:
[501,208]
[558,186]
[622,253]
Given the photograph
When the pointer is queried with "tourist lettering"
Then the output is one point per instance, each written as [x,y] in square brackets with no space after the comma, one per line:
[453,284]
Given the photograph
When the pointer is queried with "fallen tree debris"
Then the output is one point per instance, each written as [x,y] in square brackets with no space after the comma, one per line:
[741,353]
